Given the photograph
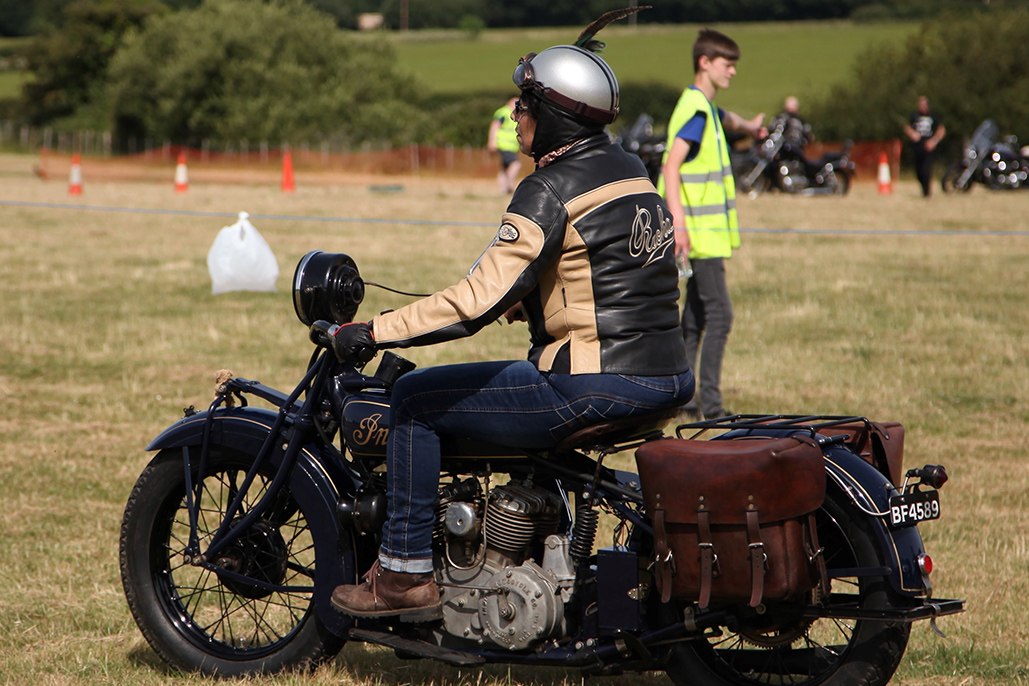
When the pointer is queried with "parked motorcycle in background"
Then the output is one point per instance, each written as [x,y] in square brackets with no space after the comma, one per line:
[640,140]
[998,165]
[777,164]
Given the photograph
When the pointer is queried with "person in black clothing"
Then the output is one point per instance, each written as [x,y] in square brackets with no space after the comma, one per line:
[795,130]
[925,132]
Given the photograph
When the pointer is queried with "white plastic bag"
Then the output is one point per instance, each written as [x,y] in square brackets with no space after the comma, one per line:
[240,260]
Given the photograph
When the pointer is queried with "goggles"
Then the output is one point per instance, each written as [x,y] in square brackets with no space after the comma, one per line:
[525,78]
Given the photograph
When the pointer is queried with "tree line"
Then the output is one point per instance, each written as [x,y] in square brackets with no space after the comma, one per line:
[29,17]
[282,71]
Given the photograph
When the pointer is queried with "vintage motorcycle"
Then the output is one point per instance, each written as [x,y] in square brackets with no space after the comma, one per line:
[640,140]
[777,164]
[998,165]
[779,550]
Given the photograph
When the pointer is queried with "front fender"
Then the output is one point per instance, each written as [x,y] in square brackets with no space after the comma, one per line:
[317,481]
[870,492]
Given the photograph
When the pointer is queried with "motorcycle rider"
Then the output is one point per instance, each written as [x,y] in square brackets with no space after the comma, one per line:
[795,130]
[584,254]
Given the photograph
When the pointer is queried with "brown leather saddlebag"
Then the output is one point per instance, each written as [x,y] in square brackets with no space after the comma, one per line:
[734,520]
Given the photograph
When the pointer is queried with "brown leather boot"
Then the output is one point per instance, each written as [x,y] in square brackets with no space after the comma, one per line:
[384,593]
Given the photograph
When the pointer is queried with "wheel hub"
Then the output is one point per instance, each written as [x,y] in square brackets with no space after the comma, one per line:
[259,553]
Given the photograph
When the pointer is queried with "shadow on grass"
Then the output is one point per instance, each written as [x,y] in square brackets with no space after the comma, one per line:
[144,657]
[363,664]
[360,664]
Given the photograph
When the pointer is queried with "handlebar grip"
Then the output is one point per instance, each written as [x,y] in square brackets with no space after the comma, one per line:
[322,332]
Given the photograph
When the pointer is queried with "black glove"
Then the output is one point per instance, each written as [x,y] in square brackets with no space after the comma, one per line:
[354,342]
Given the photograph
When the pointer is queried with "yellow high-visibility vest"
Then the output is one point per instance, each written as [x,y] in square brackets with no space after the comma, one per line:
[506,137]
[707,188]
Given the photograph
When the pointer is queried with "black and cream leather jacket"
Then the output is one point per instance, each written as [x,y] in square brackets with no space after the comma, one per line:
[586,245]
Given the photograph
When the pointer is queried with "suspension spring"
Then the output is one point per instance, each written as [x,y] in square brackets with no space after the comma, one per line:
[584,533]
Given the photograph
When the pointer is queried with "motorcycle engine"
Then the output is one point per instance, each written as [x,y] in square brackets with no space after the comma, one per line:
[792,176]
[494,592]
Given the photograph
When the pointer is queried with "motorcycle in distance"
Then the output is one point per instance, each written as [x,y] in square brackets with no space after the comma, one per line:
[777,164]
[996,165]
[239,529]
[640,140]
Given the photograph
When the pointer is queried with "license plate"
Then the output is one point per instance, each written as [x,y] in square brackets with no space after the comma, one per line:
[914,507]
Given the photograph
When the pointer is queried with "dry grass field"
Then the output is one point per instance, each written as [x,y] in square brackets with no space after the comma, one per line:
[893,307]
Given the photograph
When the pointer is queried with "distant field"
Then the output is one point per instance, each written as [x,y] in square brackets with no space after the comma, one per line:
[10,83]
[10,79]
[802,58]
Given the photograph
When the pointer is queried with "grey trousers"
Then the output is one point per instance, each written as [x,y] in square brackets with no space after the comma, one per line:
[706,322]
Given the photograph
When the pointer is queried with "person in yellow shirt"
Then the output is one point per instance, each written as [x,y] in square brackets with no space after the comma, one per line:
[696,164]
[503,139]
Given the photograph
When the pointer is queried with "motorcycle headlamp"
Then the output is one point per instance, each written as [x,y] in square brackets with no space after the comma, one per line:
[327,286]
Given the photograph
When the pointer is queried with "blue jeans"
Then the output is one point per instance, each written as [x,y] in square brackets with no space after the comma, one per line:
[507,403]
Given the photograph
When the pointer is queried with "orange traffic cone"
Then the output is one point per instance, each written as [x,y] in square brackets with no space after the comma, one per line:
[885,183]
[181,176]
[75,177]
[287,173]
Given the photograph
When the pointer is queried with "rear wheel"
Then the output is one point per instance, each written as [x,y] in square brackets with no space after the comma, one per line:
[949,181]
[803,651]
[260,617]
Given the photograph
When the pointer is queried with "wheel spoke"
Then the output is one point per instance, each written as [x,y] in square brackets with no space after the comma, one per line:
[278,552]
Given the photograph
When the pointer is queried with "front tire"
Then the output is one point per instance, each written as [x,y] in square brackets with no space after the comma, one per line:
[755,189]
[950,178]
[841,185]
[808,653]
[197,620]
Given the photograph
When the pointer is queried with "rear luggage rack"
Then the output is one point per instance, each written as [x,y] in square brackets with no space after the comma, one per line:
[809,423]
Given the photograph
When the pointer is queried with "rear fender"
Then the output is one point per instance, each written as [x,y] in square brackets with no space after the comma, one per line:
[317,481]
[870,491]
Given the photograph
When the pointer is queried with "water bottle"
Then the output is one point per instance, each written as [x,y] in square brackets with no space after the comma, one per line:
[683,265]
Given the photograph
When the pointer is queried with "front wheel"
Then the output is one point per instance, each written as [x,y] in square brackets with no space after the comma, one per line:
[841,183]
[951,179]
[199,619]
[751,181]
[808,652]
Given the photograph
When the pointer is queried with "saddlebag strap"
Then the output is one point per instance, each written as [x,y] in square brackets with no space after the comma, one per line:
[816,554]
[707,556]
[757,558]
[662,557]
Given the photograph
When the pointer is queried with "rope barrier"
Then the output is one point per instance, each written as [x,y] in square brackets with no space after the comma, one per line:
[426,222]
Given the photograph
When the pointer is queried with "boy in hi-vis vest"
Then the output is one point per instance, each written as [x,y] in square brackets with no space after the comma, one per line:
[703,210]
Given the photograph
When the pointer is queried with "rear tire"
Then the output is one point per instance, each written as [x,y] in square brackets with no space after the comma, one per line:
[840,652]
[198,621]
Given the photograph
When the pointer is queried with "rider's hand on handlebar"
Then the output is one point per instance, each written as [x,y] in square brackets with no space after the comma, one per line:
[354,342]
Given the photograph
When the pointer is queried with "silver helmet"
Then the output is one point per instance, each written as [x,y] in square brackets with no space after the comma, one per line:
[572,78]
